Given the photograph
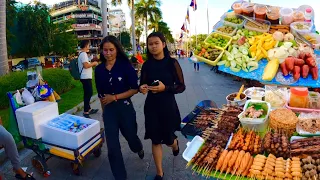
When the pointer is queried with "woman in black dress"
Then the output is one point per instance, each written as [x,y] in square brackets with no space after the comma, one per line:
[161,78]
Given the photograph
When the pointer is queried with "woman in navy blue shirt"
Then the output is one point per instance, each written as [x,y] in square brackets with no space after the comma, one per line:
[116,82]
[161,78]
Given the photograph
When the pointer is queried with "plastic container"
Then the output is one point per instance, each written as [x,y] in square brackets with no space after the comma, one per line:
[192,148]
[247,9]
[70,139]
[254,120]
[31,117]
[301,27]
[308,14]
[260,11]
[210,62]
[286,16]
[256,126]
[274,15]
[314,100]
[314,38]
[298,16]
[268,24]
[227,34]
[299,97]
[225,15]
[236,7]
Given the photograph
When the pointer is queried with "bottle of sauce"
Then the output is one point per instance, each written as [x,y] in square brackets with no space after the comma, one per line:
[274,15]
[237,7]
[299,97]
[247,9]
[260,11]
[298,16]
[286,16]
[308,15]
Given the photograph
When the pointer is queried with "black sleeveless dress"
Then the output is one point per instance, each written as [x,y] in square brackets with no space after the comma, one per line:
[162,116]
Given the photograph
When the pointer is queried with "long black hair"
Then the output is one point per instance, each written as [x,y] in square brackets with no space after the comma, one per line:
[121,55]
[163,39]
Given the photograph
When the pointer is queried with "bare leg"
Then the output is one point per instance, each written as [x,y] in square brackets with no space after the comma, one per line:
[157,156]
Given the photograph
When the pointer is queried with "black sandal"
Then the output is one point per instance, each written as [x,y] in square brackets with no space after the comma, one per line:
[28,177]
[176,152]
[158,177]
[93,111]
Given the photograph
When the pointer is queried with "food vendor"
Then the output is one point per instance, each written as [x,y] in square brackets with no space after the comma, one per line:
[117,82]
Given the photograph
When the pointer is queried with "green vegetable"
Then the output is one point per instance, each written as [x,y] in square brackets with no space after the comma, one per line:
[221,63]
[234,69]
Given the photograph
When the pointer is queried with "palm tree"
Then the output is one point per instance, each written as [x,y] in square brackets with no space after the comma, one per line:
[154,25]
[148,9]
[3,40]
[131,5]
[138,29]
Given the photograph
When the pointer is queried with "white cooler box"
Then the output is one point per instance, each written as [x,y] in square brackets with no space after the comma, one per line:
[32,116]
[68,139]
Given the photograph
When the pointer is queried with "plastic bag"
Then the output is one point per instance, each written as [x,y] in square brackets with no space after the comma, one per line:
[194,59]
[18,98]
[44,91]
[27,97]
[276,96]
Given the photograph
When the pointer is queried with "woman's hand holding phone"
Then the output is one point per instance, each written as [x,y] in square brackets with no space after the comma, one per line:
[156,89]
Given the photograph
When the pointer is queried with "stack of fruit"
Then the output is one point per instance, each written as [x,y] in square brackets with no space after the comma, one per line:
[218,40]
[300,67]
[260,45]
[208,51]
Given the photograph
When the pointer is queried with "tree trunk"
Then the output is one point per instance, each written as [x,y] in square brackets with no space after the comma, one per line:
[146,28]
[3,40]
[105,11]
[134,47]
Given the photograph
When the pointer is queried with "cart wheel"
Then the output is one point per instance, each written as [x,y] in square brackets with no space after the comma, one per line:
[40,165]
[75,169]
[97,152]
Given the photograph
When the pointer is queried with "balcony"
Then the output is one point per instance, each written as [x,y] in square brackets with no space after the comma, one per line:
[73,8]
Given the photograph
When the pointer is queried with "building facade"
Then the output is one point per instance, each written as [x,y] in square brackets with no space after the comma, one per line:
[117,20]
[87,19]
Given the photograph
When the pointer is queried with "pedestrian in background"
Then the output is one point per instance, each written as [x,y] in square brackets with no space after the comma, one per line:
[85,69]
[116,82]
[196,64]
[161,78]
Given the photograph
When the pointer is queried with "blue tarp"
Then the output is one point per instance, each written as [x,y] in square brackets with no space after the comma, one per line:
[257,74]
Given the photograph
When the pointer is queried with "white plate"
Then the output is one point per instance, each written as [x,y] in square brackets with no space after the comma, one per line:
[192,148]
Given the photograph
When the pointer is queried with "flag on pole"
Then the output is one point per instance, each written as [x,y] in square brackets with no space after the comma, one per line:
[187,16]
[181,36]
[183,28]
[193,4]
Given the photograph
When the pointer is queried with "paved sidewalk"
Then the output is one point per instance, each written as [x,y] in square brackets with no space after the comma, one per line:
[201,85]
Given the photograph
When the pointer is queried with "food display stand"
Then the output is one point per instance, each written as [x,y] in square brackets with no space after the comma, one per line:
[271,132]
[74,150]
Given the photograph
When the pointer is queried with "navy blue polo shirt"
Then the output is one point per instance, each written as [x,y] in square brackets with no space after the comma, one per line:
[121,78]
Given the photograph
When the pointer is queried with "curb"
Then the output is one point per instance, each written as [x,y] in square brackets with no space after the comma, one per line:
[79,107]
[23,153]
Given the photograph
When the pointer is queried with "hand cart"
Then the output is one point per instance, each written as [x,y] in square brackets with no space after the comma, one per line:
[44,150]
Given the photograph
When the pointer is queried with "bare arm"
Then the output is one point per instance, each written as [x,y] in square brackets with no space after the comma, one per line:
[127,94]
[87,65]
